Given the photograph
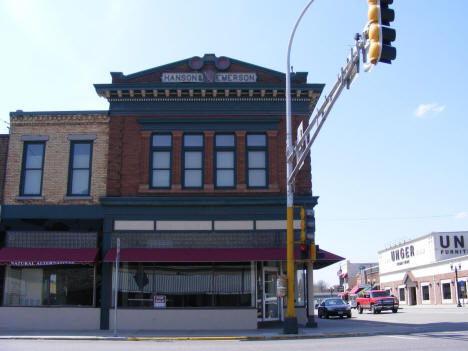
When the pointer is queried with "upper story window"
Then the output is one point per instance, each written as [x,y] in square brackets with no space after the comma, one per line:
[256,160]
[193,161]
[161,146]
[79,179]
[32,169]
[225,160]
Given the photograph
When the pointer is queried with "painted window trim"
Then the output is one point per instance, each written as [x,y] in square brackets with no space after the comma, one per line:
[256,148]
[81,137]
[232,149]
[71,169]
[202,166]
[42,142]
[449,282]
[424,284]
[161,149]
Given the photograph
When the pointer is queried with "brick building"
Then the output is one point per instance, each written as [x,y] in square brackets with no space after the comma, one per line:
[51,219]
[431,269]
[189,178]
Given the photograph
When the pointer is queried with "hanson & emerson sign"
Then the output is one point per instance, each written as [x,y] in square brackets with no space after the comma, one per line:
[208,76]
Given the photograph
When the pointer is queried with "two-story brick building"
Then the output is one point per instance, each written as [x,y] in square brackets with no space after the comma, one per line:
[187,171]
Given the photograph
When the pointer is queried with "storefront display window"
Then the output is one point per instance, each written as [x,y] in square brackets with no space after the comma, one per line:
[49,286]
[446,291]
[184,285]
[425,292]
[401,294]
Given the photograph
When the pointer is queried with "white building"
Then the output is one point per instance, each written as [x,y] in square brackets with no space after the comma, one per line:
[425,270]
[349,270]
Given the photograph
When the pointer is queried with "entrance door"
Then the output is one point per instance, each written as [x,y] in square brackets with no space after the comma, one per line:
[270,301]
[413,300]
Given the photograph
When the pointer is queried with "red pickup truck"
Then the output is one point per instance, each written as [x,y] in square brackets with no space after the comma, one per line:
[377,301]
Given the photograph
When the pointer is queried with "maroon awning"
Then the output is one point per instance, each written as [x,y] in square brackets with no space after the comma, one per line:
[214,255]
[46,256]
[355,290]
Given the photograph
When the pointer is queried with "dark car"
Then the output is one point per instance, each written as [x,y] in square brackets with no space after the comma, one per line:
[334,307]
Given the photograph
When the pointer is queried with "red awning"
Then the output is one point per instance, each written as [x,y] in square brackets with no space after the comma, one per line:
[355,290]
[46,256]
[213,255]
[342,294]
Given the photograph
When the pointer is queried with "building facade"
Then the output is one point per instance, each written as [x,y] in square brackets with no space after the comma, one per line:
[431,269]
[181,182]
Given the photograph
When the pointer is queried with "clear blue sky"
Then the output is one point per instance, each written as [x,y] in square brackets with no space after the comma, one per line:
[390,163]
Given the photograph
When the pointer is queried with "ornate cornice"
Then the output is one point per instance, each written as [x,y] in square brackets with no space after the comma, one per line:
[35,119]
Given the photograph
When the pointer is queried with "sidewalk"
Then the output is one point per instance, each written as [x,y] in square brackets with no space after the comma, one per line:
[411,319]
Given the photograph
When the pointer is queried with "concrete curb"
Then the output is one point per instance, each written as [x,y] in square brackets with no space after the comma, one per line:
[194,338]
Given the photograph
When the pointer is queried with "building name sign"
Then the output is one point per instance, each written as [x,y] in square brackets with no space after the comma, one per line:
[208,76]
[401,256]
[450,245]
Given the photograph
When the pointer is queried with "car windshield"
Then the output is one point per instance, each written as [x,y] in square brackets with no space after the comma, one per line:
[334,302]
[380,294]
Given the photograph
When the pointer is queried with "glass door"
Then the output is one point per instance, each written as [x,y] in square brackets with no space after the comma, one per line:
[270,301]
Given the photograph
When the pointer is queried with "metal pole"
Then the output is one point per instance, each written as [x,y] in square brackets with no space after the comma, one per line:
[458,292]
[116,284]
[290,321]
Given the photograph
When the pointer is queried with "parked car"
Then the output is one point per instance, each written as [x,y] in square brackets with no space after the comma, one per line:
[334,307]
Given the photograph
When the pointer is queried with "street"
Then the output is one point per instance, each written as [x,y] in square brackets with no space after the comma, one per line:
[423,341]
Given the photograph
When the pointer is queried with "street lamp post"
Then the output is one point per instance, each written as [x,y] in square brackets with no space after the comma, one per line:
[290,320]
[455,268]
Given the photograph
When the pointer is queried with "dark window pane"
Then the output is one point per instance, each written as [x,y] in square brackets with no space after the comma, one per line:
[193,178]
[225,178]
[164,140]
[193,140]
[161,159]
[80,182]
[256,140]
[193,159]
[161,178]
[32,182]
[82,153]
[257,178]
[225,159]
[257,159]
[226,140]
[34,155]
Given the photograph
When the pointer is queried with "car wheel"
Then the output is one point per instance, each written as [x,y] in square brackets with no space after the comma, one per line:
[372,308]
[349,315]
[319,315]
[341,317]
[325,314]
[395,310]
[378,311]
[360,310]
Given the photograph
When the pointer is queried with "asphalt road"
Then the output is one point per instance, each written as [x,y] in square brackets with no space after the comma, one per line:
[414,342]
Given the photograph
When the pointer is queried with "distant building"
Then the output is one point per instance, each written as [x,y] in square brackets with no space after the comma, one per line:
[425,270]
[350,275]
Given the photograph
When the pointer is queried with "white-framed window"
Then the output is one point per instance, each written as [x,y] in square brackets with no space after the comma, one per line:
[446,291]
[425,293]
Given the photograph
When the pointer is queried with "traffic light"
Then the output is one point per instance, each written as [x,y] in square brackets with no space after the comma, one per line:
[305,251]
[380,37]
[309,225]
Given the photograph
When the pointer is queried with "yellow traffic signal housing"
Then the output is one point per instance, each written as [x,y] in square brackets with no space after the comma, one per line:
[379,36]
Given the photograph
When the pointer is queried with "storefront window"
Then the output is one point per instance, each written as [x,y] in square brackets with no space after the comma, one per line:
[300,285]
[195,285]
[49,286]
[446,292]
[402,294]
[425,292]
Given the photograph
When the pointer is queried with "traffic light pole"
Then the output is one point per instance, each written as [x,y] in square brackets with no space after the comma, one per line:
[290,320]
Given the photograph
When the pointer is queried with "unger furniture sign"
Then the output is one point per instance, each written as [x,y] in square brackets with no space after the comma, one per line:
[449,245]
